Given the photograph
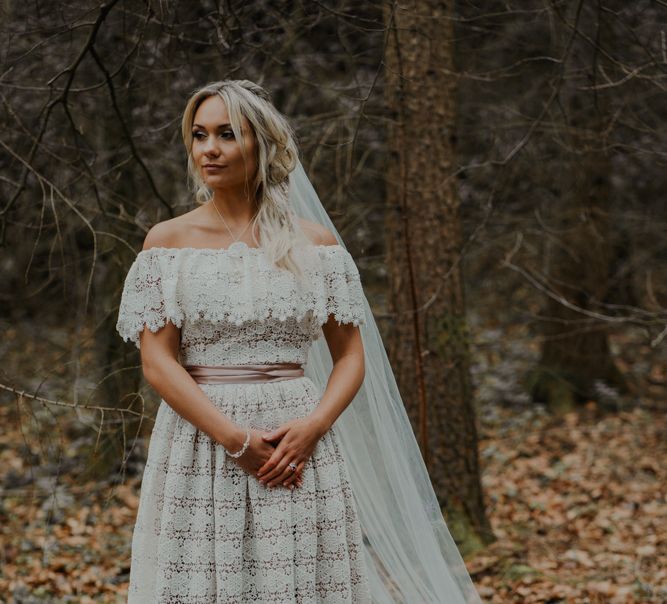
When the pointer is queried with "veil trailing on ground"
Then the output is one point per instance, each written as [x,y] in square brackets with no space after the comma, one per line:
[408,548]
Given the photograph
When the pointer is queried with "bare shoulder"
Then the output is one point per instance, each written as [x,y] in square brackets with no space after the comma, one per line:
[161,234]
[173,232]
[177,232]
[317,233]
[169,233]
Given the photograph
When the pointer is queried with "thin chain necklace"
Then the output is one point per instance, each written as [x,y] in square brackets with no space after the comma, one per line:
[225,223]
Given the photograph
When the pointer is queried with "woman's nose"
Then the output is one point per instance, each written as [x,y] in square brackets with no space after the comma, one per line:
[210,145]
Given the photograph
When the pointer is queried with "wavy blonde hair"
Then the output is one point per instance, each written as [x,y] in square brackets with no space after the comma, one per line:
[277,155]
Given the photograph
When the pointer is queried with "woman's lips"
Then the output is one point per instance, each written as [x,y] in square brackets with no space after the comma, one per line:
[214,168]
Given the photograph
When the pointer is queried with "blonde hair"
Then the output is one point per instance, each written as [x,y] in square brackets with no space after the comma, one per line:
[276,155]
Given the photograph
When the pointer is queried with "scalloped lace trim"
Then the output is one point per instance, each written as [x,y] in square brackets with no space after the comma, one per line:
[236,285]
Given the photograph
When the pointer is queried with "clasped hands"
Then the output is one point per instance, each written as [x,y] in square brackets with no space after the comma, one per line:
[269,453]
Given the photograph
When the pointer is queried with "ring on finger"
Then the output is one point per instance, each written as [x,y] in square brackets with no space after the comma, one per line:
[277,479]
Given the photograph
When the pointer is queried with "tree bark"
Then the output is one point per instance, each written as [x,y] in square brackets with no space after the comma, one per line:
[429,340]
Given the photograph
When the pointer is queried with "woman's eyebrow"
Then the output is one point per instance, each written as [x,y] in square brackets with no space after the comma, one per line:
[219,127]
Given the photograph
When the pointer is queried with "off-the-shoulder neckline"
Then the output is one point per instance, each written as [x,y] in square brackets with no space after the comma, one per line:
[240,245]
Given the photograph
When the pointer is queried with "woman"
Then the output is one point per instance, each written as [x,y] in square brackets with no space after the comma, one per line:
[258,487]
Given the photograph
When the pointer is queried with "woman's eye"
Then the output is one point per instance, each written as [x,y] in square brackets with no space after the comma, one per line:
[226,134]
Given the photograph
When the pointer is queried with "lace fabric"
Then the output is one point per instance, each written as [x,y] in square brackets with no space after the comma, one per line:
[209,287]
[206,531]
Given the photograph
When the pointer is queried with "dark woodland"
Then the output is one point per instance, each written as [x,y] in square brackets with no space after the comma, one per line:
[498,171]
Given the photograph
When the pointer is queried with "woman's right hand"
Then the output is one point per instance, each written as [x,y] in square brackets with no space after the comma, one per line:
[257,454]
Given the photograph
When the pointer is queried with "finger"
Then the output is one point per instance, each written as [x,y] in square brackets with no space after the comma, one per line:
[292,477]
[275,434]
[288,475]
[295,480]
[271,467]
[283,472]
[267,470]
[296,477]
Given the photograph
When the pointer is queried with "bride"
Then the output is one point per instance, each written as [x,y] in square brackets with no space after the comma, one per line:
[282,466]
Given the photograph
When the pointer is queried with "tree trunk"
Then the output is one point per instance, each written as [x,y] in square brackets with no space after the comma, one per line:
[429,341]
[575,354]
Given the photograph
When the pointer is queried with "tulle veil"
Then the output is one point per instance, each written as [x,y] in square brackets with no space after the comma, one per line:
[409,551]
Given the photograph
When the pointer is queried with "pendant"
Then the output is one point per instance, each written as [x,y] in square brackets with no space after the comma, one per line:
[236,248]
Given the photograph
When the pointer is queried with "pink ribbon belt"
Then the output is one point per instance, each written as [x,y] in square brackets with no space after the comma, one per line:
[240,374]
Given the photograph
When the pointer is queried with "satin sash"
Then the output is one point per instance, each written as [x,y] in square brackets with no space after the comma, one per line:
[242,374]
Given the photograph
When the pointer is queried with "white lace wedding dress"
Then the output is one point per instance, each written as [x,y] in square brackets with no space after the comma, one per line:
[206,531]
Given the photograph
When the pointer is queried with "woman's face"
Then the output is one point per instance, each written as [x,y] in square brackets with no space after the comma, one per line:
[214,143]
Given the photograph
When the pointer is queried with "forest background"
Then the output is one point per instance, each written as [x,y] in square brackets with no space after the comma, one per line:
[496,169]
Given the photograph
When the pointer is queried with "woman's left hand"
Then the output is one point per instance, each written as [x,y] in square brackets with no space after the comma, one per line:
[298,438]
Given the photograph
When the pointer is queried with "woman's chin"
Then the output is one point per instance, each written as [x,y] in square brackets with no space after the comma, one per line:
[213,179]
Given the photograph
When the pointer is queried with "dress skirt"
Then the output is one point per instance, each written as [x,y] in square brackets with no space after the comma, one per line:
[207,532]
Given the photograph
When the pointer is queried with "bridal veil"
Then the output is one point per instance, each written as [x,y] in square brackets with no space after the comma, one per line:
[409,551]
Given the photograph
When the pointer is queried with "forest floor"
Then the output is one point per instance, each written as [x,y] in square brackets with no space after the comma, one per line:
[578,503]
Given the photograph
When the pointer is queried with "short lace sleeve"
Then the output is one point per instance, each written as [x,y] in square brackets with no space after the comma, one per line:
[341,285]
[143,301]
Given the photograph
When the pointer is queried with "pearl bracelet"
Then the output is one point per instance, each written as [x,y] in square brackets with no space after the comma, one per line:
[243,448]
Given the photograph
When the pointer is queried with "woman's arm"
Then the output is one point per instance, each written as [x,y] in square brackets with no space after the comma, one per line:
[162,370]
[299,437]
[347,375]
[347,354]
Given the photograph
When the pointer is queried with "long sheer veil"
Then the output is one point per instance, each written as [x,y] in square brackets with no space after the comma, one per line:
[408,548]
